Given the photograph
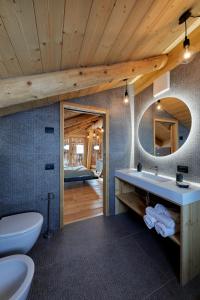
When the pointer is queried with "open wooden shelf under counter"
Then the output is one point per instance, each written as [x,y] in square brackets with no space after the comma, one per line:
[129,196]
[132,200]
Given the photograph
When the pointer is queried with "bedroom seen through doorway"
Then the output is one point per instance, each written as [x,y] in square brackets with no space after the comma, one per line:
[83,165]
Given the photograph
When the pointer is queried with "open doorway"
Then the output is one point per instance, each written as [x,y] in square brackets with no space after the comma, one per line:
[84,164]
[165,136]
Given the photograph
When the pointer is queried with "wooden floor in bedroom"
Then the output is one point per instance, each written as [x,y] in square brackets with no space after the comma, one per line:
[83,200]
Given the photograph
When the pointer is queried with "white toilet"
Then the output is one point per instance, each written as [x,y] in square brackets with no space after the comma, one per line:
[16,273]
[18,233]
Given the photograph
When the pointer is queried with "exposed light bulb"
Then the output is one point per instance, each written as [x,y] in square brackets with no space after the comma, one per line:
[66,147]
[96,147]
[126,98]
[158,106]
[187,54]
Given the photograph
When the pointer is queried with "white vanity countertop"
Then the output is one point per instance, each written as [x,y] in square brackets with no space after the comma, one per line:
[165,188]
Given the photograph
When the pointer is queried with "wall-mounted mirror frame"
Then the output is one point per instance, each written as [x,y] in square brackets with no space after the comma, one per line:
[164,126]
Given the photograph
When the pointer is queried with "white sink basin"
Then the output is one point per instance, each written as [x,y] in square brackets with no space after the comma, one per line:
[151,177]
[164,187]
[16,274]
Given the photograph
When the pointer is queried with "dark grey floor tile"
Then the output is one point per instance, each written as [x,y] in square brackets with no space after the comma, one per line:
[173,291]
[164,252]
[114,258]
[83,237]
[116,271]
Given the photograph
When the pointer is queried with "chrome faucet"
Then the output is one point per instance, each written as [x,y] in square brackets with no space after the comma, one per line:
[155,170]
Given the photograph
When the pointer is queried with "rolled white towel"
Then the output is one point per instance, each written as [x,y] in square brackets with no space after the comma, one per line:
[149,221]
[167,221]
[175,215]
[161,209]
[163,230]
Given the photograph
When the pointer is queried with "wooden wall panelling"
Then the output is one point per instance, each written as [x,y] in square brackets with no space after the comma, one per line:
[50,18]
[76,18]
[89,150]
[19,20]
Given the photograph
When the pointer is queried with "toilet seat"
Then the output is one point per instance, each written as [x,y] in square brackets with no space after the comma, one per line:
[20,223]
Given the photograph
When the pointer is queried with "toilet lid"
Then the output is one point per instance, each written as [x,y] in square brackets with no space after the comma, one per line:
[19,223]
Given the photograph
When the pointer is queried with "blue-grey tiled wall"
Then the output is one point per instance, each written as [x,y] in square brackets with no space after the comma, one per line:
[185,85]
[25,148]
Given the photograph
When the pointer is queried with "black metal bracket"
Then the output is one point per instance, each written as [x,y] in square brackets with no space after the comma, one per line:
[185,16]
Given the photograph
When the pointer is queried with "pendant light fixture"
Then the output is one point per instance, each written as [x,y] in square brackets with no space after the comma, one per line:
[158,105]
[187,55]
[126,97]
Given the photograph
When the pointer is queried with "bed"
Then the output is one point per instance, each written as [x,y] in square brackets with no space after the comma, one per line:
[79,173]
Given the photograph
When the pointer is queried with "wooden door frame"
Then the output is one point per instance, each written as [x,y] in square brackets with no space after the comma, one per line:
[87,109]
[166,120]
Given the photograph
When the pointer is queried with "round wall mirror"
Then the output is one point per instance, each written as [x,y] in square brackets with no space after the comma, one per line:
[165,126]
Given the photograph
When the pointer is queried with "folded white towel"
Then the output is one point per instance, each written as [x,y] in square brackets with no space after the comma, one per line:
[149,221]
[163,230]
[167,221]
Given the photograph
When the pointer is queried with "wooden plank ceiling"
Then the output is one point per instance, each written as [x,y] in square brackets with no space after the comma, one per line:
[38,36]
[76,123]
[178,110]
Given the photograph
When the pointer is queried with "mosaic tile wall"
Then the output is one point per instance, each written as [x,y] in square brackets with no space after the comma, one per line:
[25,148]
[185,85]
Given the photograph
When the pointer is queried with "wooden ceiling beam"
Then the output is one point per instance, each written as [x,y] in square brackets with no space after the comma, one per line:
[92,90]
[51,100]
[35,87]
[79,127]
[81,119]
[68,114]
[175,58]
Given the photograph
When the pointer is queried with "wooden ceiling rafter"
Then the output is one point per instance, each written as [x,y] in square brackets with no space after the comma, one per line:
[81,119]
[76,128]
